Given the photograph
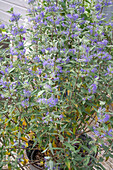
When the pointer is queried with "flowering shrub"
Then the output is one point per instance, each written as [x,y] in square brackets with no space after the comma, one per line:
[57,85]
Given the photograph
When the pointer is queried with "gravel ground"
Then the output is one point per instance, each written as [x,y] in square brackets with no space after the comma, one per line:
[108,165]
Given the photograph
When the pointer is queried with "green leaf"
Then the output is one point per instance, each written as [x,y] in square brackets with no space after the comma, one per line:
[68,164]
[88,1]
[51,149]
[40,93]
[45,150]
[84,16]
[101,159]
[47,157]
[88,10]
[19,135]
[11,70]
[62,129]
[51,164]
[102,103]
[86,161]
[34,92]
[11,109]
[107,157]
[94,148]
[72,148]
[11,10]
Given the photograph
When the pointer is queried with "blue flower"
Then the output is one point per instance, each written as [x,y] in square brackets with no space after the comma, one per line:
[13,51]
[20,44]
[22,30]
[51,119]
[94,86]
[93,70]
[40,71]
[41,100]
[15,17]
[110,133]
[45,63]
[106,118]
[1,95]
[2,26]
[52,101]
[6,70]
[36,59]
[103,117]
[70,16]
[43,50]
[48,87]
[81,9]
[47,113]
[72,5]
[75,16]
[61,116]
[2,72]
[25,102]
[19,30]
[27,93]
[96,132]
[98,7]
[31,1]
[45,121]
[3,83]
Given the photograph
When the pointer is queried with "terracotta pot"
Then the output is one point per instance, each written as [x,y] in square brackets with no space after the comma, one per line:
[31,153]
[35,161]
[86,139]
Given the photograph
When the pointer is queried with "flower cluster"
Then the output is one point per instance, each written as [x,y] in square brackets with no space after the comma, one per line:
[103,117]
[15,17]
[51,102]
[31,1]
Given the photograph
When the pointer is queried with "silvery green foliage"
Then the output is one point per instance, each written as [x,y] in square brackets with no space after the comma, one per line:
[57,84]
